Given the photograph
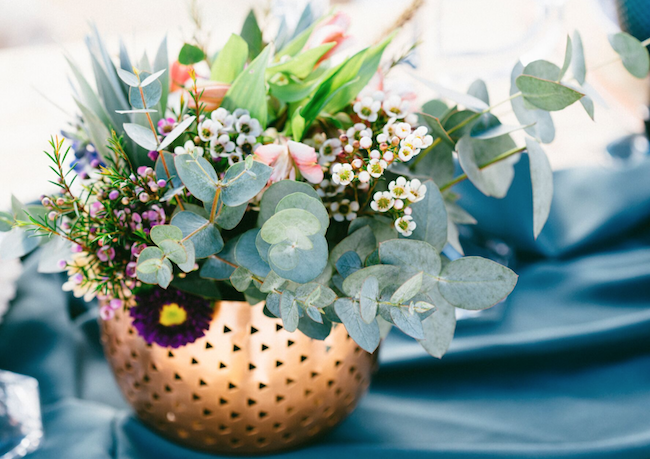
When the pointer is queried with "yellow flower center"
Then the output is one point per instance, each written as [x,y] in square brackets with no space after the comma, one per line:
[172,314]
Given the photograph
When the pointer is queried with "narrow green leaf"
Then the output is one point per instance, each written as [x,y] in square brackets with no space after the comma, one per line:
[568,55]
[252,34]
[176,132]
[407,290]
[248,91]
[541,177]
[231,60]
[578,66]
[368,299]
[141,135]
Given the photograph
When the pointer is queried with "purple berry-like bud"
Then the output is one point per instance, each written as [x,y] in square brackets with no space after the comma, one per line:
[61,264]
[116,304]
[77,278]
[142,170]
[94,163]
[144,197]
[153,155]
[46,202]
[130,269]
[52,215]
[113,195]
[162,183]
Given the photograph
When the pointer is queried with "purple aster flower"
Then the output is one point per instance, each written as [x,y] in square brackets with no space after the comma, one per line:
[166,125]
[171,318]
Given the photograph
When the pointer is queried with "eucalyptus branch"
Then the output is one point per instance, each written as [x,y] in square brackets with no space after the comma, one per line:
[494,160]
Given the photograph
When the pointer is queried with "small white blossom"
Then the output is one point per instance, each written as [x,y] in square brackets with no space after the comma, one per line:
[328,189]
[235,157]
[399,188]
[248,126]
[376,167]
[417,190]
[330,149]
[342,174]
[382,201]
[406,152]
[405,225]
[209,129]
[344,210]
[374,154]
[389,156]
[221,144]
[365,142]
[349,148]
[357,163]
[381,138]
[367,108]
[190,149]
[408,211]
[246,144]
[224,117]
[399,204]
[364,177]
[357,131]
[402,130]
[411,118]
[396,107]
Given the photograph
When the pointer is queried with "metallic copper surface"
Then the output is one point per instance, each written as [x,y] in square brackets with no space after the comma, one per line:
[247,387]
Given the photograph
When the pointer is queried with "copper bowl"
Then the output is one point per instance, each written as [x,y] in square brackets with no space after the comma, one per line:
[247,387]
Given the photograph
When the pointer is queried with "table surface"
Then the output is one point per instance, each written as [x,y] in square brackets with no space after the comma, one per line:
[37,101]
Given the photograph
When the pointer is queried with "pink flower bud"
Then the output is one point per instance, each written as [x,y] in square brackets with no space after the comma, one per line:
[106,313]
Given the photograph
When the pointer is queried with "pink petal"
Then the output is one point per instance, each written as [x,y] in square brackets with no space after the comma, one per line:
[302,154]
[269,153]
[313,174]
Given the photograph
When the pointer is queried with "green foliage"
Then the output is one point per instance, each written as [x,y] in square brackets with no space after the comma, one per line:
[252,35]
[578,67]
[176,132]
[361,241]
[141,135]
[430,216]
[161,173]
[412,254]
[248,91]
[276,192]
[231,60]
[438,330]
[240,184]
[633,53]
[541,177]
[302,65]
[364,334]
[205,235]
[407,321]
[473,153]
[152,93]
[241,279]
[247,255]
[568,55]
[539,122]
[303,201]
[476,283]
[368,299]
[545,94]
[289,311]
[198,176]
[190,54]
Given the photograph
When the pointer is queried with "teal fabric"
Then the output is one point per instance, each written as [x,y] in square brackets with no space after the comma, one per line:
[564,374]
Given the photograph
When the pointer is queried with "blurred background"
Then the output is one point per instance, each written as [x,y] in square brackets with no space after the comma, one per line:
[461,40]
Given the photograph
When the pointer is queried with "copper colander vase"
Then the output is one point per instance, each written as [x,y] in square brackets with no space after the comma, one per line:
[247,387]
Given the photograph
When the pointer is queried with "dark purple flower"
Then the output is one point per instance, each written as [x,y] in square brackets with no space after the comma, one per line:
[153,155]
[171,318]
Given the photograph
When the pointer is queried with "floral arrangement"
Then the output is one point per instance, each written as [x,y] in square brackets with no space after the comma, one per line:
[282,171]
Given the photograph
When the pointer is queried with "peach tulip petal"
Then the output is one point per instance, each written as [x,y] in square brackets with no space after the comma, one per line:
[269,153]
[313,174]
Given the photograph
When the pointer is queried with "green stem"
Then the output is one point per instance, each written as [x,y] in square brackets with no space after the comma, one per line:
[462,124]
[494,160]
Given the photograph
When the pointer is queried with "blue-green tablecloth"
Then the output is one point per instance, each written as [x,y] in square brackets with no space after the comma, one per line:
[565,374]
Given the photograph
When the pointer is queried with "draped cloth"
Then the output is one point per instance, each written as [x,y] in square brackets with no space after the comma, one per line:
[565,372]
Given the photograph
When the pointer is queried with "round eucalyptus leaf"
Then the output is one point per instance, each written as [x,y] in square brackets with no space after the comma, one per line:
[174,251]
[632,52]
[206,237]
[419,255]
[275,229]
[408,322]
[303,201]
[198,176]
[311,263]
[160,233]
[246,254]
[284,255]
[240,185]
[276,192]
[151,93]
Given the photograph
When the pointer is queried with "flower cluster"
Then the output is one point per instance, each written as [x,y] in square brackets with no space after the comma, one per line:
[229,135]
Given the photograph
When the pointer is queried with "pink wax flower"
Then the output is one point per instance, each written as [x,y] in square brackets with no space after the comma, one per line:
[106,313]
[106,253]
[332,30]
[166,125]
[284,156]
[96,208]
[130,268]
